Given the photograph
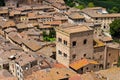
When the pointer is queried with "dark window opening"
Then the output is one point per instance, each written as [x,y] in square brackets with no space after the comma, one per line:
[100,56]
[74,43]
[57,72]
[59,52]
[53,56]
[96,18]
[65,55]
[74,56]
[67,74]
[108,64]
[87,68]
[101,66]
[85,41]
[109,54]
[84,55]
[104,27]
[94,66]
[59,39]
[65,42]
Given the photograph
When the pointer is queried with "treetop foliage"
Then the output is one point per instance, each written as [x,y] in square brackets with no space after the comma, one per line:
[2,2]
[115,29]
[113,6]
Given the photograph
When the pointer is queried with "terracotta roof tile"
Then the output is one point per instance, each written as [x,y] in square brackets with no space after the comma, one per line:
[33,45]
[51,74]
[73,28]
[98,43]
[81,63]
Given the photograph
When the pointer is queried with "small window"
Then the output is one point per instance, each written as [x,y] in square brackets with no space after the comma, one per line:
[108,64]
[59,40]
[101,66]
[89,58]
[67,74]
[65,55]
[114,60]
[109,54]
[74,43]
[74,56]
[94,66]
[65,42]
[85,41]
[57,72]
[96,18]
[100,56]
[104,27]
[59,52]
[84,55]
[18,73]
[87,68]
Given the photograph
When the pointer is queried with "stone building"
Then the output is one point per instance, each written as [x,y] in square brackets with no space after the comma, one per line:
[73,43]
[11,3]
[112,55]
[75,18]
[15,2]
[100,15]
[21,63]
[99,51]
[76,45]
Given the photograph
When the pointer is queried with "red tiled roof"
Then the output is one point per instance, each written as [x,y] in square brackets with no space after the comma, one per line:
[81,63]
[58,65]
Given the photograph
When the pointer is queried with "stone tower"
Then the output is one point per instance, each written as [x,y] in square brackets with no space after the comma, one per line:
[73,43]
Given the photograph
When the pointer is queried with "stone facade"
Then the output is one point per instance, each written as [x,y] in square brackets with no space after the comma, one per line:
[74,46]
[112,56]
[61,48]
[99,55]
[84,45]
[100,15]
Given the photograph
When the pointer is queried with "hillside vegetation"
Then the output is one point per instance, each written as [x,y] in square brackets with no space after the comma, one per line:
[112,6]
[2,3]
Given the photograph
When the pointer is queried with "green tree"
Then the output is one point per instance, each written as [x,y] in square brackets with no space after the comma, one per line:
[118,62]
[91,4]
[70,3]
[114,10]
[49,37]
[44,34]
[115,30]
[52,34]
[2,2]
[80,7]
